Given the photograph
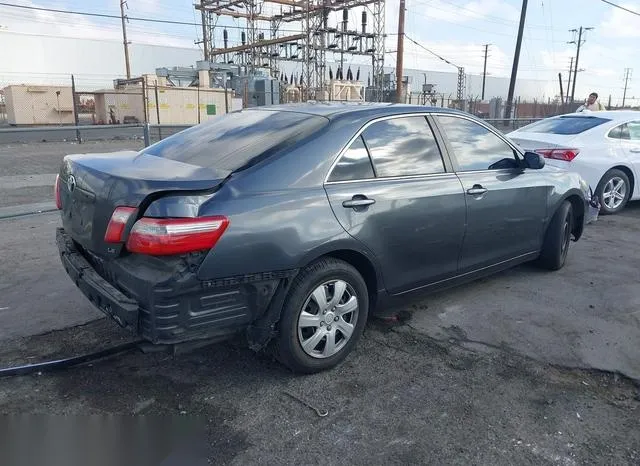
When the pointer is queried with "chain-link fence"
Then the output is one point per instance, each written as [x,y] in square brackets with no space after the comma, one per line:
[149,109]
[133,109]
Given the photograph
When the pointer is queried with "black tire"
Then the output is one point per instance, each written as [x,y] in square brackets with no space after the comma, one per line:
[612,174]
[289,348]
[557,238]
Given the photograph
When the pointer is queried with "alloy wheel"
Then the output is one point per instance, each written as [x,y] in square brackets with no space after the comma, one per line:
[614,193]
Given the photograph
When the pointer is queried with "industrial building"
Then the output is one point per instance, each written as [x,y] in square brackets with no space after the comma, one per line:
[165,104]
[38,105]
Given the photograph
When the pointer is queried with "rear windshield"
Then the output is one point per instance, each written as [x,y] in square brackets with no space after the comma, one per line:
[232,141]
[565,125]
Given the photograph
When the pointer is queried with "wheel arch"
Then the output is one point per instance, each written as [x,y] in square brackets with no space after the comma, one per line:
[627,171]
[360,258]
[578,205]
[578,209]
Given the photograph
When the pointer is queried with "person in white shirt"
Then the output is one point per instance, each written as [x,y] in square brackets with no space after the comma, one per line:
[592,104]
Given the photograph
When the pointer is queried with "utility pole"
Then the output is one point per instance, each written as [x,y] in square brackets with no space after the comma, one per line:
[123,3]
[516,59]
[76,117]
[484,72]
[627,75]
[561,90]
[569,81]
[575,64]
[205,33]
[400,53]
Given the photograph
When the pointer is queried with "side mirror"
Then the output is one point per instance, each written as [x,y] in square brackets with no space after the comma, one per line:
[533,160]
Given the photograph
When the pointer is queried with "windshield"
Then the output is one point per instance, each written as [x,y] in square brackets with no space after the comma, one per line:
[234,140]
[564,125]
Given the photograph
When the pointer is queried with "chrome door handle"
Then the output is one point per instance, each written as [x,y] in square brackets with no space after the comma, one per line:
[635,150]
[358,201]
[476,190]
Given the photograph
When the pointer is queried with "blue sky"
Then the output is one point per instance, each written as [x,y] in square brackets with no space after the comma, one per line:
[456,29]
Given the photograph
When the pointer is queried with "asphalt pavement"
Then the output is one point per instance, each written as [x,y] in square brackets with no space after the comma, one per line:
[586,315]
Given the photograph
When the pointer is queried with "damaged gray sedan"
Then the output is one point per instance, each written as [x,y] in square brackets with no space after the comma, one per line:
[291,225]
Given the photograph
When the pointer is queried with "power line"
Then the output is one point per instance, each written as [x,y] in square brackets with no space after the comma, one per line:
[118,17]
[464,26]
[430,51]
[621,7]
[482,16]
[96,15]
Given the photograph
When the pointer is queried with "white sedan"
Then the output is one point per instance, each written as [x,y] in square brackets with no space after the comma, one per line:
[603,147]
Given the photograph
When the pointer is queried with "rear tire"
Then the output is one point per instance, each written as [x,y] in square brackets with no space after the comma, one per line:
[323,316]
[557,238]
[613,191]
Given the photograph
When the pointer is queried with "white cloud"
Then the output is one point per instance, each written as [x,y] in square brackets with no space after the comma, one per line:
[48,23]
[497,12]
[622,24]
[469,55]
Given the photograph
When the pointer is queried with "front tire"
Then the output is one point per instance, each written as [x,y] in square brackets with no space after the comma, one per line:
[323,317]
[613,191]
[557,238]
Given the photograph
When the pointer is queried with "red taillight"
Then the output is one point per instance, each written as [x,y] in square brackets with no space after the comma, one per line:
[170,236]
[57,193]
[566,155]
[117,224]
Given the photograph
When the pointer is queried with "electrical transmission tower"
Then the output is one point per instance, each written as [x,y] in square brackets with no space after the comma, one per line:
[321,34]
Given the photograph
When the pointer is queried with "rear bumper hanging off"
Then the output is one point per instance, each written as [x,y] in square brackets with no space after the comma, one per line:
[100,292]
[172,306]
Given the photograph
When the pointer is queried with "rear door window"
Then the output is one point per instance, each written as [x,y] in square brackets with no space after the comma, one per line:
[617,132]
[354,164]
[633,130]
[627,131]
[403,147]
[565,125]
[237,139]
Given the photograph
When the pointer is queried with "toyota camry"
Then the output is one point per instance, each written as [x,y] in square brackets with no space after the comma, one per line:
[290,225]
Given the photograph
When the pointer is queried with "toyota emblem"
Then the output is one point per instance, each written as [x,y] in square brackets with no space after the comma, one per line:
[71,183]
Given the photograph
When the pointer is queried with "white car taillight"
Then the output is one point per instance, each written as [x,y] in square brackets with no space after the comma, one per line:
[566,155]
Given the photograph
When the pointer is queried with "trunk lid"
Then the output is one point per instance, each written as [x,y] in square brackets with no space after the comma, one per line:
[534,141]
[93,185]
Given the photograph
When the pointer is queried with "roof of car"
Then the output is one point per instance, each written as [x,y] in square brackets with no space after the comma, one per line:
[334,109]
[610,114]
